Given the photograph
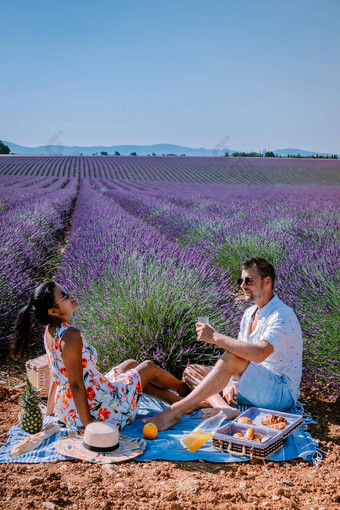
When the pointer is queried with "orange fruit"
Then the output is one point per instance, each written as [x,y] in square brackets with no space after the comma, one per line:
[150,431]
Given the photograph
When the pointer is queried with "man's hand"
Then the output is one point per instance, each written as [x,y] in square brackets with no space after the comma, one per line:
[230,393]
[205,333]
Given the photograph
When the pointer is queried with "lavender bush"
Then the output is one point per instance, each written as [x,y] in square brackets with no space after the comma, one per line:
[31,234]
[141,293]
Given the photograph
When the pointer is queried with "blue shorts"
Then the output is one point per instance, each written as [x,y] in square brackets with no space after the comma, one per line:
[260,387]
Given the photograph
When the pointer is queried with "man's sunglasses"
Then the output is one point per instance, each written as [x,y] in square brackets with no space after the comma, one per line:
[248,280]
[65,294]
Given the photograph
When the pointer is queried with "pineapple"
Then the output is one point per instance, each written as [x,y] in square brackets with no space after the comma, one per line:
[31,419]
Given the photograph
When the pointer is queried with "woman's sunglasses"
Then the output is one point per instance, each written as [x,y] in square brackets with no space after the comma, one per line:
[65,294]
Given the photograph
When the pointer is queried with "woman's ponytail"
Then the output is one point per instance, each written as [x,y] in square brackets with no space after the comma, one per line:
[22,333]
[42,300]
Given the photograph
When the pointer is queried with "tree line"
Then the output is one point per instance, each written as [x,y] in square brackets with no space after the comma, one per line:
[270,154]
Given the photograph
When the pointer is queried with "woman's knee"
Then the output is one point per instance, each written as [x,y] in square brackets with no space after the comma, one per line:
[132,362]
[147,364]
[147,371]
[129,363]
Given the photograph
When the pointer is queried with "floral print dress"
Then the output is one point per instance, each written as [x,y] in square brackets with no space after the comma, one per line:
[112,397]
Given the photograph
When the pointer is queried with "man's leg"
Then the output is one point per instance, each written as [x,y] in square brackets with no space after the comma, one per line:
[260,387]
[193,375]
[213,383]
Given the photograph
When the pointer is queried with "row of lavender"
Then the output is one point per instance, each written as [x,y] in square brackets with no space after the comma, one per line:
[295,228]
[33,219]
[21,189]
[177,169]
[140,292]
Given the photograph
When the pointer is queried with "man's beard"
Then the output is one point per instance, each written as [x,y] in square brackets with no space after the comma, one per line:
[249,298]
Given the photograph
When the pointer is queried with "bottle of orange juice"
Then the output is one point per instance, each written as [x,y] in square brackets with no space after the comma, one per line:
[203,432]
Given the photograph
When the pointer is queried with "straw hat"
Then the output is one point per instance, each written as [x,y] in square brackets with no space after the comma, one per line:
[101,443]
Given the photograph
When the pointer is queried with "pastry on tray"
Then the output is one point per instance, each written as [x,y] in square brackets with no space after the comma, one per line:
[275,422]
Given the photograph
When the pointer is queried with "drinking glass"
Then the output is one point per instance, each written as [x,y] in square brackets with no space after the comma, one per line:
[203,319]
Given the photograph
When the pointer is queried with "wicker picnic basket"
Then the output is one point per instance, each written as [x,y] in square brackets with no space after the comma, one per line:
[225,440]
[38,373]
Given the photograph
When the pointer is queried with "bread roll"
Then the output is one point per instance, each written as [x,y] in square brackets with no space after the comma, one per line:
[245,419]
[238,434]
[249,433]
[31,443]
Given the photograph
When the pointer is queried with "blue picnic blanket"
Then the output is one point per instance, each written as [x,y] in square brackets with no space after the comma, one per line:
[167,445]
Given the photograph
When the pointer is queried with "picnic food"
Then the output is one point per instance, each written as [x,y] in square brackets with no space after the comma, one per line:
[150,431]
[31,443]
[249,433]
[275,422]
[244,419]
[31,419]
[278,426]
[257,437]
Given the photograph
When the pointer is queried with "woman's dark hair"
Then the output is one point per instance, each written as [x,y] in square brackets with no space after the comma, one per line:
[264,268]
[42,299]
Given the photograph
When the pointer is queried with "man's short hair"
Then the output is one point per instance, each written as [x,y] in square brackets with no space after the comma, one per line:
[264,268]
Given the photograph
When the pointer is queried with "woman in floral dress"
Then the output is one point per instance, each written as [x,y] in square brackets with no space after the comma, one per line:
[79,393]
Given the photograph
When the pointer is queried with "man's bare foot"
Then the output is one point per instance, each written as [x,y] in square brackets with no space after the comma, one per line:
[209,412]
[230,413]
[164,420]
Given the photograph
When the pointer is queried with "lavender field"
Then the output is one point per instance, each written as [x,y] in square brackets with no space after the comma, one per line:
[213,170]
[145,257]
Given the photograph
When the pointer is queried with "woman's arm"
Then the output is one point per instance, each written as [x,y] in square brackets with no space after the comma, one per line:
[51,398]
[71,347]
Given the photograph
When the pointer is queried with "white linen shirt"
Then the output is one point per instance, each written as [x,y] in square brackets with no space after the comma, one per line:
[277,324]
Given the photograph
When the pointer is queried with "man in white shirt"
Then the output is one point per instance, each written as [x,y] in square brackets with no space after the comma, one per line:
[261,368]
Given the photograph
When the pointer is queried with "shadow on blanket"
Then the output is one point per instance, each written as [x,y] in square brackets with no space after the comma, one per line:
[167,446]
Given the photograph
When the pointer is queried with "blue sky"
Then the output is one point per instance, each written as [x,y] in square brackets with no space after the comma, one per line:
[242,74]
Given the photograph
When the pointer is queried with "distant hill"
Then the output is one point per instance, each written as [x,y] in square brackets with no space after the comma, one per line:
[124,150]
[141,150]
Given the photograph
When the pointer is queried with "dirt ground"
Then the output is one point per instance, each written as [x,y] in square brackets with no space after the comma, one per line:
[175,485]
